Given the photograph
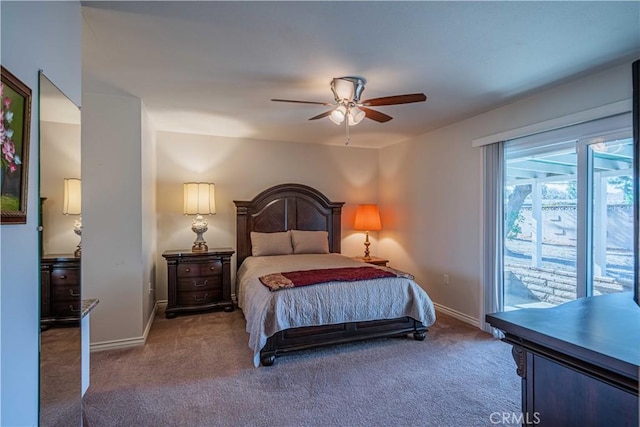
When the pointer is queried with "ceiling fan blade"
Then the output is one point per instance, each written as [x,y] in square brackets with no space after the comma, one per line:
[394,100]
[302,102]
[320,116]
[375,115]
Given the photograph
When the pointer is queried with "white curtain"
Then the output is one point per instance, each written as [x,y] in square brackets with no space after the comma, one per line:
[493,197]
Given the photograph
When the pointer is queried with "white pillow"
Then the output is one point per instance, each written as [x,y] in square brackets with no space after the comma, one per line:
[264,244]
[310,242]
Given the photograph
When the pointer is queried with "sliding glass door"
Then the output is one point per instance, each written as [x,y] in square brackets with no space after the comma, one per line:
[540,243]
[612,210]
[568,214]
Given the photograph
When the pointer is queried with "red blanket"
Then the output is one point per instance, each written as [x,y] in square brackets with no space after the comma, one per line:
[291,279]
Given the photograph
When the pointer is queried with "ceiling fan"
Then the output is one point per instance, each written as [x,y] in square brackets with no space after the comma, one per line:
[348,108]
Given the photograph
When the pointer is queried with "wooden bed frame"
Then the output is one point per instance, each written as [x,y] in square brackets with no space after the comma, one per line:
[299,207]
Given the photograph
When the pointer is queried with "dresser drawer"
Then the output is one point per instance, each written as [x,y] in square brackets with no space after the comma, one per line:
[66,308]
[199,297]
[199,283]
[65,293]
[65,276]
[200,269]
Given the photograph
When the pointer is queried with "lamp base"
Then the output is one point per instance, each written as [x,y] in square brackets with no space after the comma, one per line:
[199,226]
[367,256]
[77,228]
[199,247]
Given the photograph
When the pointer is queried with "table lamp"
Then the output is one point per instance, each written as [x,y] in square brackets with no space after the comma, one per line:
[199,199]
[367,219]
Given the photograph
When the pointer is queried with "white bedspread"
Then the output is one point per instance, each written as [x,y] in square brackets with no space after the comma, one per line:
[268,312]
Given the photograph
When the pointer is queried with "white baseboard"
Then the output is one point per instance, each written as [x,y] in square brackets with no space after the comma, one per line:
[117,344]
[128,342]
[152,316]
[460,316]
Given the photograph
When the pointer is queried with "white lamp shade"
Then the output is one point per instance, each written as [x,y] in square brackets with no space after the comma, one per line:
[337,115]
[355,116]
[343,89]
[72,197]
[199,198]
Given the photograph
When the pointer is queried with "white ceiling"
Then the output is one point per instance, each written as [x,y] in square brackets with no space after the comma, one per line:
[211,67]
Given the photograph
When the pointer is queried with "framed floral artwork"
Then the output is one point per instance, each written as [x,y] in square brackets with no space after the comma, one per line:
[15,123]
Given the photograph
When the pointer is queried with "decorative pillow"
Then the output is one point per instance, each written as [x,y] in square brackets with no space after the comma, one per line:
[310,242]
[264,244]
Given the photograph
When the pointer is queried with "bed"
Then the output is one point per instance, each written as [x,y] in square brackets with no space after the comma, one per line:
[287,320]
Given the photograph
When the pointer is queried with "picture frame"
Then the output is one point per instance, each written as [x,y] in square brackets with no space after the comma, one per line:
[15,126]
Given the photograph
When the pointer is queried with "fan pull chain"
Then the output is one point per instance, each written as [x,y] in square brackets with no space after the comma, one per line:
[346,125]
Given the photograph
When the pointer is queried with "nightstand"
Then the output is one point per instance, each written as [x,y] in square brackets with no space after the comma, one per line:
[374,260]
[198,281]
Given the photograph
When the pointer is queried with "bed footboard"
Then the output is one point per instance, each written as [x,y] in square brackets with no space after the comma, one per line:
[296,339]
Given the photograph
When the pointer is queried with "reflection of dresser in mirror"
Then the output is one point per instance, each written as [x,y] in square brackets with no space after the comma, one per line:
[60,290]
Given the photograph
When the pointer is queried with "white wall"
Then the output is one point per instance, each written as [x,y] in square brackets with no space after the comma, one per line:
[60,154]
[431,188]
[35,36]
[243,168]
[112,253]
[149,217]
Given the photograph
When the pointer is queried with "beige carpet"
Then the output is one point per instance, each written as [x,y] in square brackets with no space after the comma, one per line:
[197,370]
[60,377]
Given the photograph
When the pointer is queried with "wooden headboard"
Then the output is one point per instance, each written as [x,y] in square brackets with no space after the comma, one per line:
[286,207]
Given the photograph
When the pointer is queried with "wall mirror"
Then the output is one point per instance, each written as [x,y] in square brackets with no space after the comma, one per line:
[60,300]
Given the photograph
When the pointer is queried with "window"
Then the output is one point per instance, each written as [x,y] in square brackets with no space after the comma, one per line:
[568,214]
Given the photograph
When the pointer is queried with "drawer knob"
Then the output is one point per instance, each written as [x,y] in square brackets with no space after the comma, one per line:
[63,276]
[73,294]
[202,298]
[212,268]
[187,270]
[73,310]
[198,285]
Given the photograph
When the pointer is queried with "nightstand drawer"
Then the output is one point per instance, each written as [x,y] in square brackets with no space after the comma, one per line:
[66,293]
[199,297]
[199,283]
[66,308]
[65,276]
[200,269]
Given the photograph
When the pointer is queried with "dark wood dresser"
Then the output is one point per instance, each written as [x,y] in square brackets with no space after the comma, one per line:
[60,291]
[579,361]
[198,281]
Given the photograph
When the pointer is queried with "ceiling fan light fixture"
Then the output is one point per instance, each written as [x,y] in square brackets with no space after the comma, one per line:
[337,115]
[347,91]
[355,115]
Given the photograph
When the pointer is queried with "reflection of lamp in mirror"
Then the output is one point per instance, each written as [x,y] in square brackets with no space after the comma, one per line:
[367,219]
[199,199]
[72,205]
